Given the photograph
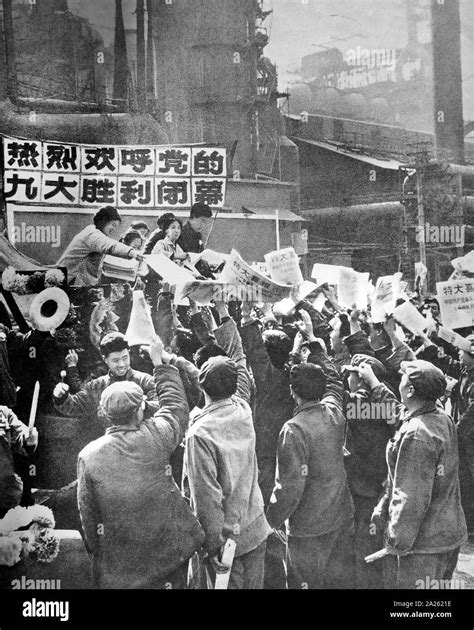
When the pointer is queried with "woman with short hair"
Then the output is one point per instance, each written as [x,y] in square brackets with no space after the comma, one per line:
[171,228]
[84,256]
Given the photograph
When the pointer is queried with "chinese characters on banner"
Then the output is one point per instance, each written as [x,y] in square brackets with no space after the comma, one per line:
[456,302]
[283,266]
[237,272]
[384,299]
[126,177]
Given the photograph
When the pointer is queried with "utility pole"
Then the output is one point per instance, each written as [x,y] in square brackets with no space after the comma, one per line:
[12,79]
[421,214]
[141,57]
[150,53]
[120,57]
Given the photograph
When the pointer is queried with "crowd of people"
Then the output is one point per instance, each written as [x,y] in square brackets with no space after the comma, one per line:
[334,452]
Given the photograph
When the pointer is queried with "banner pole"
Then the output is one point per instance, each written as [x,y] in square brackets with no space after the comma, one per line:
[277,228]
[212,227]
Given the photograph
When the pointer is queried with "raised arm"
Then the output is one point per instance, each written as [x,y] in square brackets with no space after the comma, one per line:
[84,403]
[97,241]
[227,336]
[190,377]
[254,348]
[319,356]
[164,315]
[400,350]
[23,440]
[173,414]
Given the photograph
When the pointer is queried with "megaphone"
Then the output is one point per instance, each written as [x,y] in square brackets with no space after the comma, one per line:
[49,309]
[140,330]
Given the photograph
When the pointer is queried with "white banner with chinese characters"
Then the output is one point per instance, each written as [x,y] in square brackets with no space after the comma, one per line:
[456,302]
[283,266]
[386,292]
[121,176]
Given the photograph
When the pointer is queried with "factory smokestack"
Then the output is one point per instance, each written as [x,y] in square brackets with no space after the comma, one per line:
[448,110]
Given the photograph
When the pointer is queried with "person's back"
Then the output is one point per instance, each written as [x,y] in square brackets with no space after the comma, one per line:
[326,502]
[129,471]
[221,468]
[371,422]
[442,524]
[273,402]
[311,493]
[421,513]
[228,434]
[137,526]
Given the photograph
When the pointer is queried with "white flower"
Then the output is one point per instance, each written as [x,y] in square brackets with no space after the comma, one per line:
[10,549]
[23,516]
[14,519]
[8,278]
[53,278]
[42,515]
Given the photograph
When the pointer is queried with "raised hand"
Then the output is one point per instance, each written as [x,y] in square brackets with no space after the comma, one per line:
[61,391]
[366,373]
[305,325]
[155,351]
[71,359]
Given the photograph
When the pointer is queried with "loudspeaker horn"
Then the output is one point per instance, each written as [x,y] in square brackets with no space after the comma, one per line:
[49,309]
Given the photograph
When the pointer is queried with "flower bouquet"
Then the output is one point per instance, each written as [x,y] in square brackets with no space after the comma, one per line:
[28,532]
[26,283]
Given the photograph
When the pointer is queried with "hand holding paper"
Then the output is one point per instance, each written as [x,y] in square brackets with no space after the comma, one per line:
[407,315]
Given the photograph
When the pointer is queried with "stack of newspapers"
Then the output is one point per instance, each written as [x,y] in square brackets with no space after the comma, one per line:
[120,268]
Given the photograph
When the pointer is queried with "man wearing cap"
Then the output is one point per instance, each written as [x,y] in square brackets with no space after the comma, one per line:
[84,255]
[311,490]
[116,355]
[421,510]
[221,465]
[370,425]
[138,528]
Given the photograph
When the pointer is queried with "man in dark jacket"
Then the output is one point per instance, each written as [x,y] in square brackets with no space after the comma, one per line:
[221,464]
[267,356]
[116,355]
[421,510]
[370,425]
[137,526]
[311,489]
[190,239]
